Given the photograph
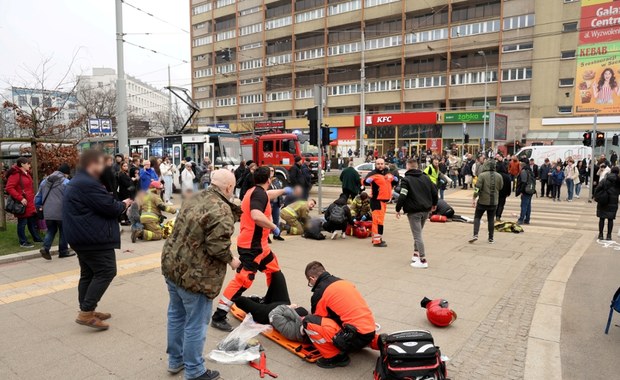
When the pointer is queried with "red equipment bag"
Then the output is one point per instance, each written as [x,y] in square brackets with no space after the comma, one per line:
[360,229]
[438,219]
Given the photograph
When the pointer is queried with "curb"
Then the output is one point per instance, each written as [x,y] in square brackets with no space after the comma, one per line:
[14,257]
[543,359]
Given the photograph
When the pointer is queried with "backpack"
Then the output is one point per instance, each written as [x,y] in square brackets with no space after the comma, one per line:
[530,184]
[313,230]
[409,355]
[336,215]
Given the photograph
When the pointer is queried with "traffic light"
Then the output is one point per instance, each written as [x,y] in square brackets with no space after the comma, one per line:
[466,139]
[587,139]
[614,140]
[600,138]
[325,140]
[312,114]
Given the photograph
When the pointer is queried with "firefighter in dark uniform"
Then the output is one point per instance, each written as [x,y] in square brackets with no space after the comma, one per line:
[252,244]
[380,181]
[340,320]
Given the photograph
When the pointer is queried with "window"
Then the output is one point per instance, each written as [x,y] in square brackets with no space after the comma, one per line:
[518,47]
[249,11]
[345,89]
[419,106]
[567,82]
[225,69]
[251,99]
[279,59]
[433,81]
[200,25]
[289,146]
[251,64]
[565,109]
[279,95]
[304,93]
[344,48]
[479,103]
[391,107]
[201,57]
[374,3]
[278,22]
[384,85]
[201,73]
[345,7]
[250,29]
[476,28]
[251,115]
[516,74]
[514,99]
[268,146]
[202,104]
[250,81]
[225,102]
[223,3]
[309,54]
[200,41]
[202,88]
[202,8]
[518,22]
[426,36]
[226,35]
[568,54]
[472,78]
[310,15]
[384,42]
[569,27]
[250,46]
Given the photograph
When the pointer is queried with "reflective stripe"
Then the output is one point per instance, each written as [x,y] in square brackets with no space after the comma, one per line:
[310,332]
[404,191]
[320,341]
[289,211]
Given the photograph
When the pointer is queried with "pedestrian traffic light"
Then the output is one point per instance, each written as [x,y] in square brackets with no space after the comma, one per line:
[466,139]
[325,140]
[614,140]
[587,139]
[600,139]
[312,114]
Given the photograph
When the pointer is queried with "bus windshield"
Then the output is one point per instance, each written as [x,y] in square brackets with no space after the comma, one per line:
[227,151]
[308,149]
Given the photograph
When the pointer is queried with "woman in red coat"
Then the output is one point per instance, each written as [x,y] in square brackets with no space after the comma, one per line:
[19,186]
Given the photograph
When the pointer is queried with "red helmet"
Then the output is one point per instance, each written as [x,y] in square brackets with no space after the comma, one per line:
[156,185]
[438,312]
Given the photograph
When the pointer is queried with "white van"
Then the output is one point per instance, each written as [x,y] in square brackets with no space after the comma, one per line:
[553,152]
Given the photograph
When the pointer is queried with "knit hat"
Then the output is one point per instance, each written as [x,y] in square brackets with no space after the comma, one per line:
[64,169]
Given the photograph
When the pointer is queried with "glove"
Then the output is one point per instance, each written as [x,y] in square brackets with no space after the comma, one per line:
[364,218]
[288,190]
[276,231]
[369,180]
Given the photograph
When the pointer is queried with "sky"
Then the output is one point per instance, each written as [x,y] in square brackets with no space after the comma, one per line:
[32,30]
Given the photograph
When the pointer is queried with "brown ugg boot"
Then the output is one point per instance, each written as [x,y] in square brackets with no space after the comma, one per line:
[88,318]
[102,316]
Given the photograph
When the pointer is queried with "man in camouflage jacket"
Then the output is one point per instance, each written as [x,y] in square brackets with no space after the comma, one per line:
[194,263]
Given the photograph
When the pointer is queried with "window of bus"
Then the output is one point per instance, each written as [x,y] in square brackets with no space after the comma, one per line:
[228,151]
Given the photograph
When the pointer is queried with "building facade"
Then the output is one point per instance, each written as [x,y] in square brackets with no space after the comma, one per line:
[429,66]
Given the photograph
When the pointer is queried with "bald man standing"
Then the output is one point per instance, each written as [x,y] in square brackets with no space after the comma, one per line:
[194,263]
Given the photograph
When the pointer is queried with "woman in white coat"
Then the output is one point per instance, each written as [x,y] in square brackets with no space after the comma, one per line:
[187,179]
[168,171]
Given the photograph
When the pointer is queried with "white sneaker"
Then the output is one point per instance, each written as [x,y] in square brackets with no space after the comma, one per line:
[415,256]
[334,235]
[418,262]
[577,196]
[343,235]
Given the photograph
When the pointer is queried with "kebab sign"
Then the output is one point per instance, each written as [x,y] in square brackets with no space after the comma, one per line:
[597,80]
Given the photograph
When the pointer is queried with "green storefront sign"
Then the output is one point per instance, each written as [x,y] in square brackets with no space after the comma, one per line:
[464,117]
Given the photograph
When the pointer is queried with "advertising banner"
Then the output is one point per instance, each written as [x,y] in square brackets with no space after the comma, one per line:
[597,80]
[498,127]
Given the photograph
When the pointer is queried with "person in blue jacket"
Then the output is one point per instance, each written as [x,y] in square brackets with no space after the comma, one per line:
[147,175]
[90,220]
[557,177]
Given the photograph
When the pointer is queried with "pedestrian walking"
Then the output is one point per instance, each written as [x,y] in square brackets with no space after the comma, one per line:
[49,202]
[168,170]
[557,177]
[606,197]
[526,188]
[20,187]
[194,269]
[90,222]
[418,197]
[486,192]
[351,181]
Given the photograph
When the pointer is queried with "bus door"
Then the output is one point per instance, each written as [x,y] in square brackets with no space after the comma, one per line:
[210,152]
[176,154]
[146,152]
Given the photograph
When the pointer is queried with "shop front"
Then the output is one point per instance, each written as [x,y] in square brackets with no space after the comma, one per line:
[411,133]
[458,124]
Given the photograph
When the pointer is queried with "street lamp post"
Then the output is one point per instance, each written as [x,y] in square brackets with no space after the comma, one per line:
[484,118]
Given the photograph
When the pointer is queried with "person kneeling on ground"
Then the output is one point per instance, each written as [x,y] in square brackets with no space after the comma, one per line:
[150,214]
[360,207]
[296,215]
[444,209]
[337,217]
[340,320]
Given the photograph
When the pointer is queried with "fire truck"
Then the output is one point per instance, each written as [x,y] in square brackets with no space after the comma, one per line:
[279,150]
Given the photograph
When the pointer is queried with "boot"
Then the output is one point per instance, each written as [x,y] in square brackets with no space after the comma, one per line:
[88,318]
[102,316]
[609,237]
[600,236]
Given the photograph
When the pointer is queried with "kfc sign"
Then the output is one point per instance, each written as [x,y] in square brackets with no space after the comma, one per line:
[399,119]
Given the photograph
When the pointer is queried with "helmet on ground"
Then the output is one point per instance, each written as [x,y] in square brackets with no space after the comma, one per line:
[156,185]
[438,312]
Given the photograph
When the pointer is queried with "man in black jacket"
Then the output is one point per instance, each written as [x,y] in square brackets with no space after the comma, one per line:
[90,221]
[418,197]
[295,177]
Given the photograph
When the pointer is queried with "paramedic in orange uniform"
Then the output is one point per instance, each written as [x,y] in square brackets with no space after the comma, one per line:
[380,181]
[340,320]
[252,244]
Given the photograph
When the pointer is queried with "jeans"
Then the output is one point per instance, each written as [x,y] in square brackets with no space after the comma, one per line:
[555,193]
[275,214]
[97,269]
[31,222]
[188,317]
[526,208]
[454,179]
[168,180]
[570,186]
[480,210]
[54,226]
[416,223]
[578,189]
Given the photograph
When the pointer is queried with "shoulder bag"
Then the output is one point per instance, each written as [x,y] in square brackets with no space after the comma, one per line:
[14,207]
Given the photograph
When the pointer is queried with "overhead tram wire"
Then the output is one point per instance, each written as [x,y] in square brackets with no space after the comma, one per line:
[154,51]
[155,17]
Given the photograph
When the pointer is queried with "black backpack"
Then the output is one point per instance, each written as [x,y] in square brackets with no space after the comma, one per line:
[337,215]
[411,354]
[530,184]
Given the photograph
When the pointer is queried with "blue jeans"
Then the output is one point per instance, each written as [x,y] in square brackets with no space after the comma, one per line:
[275,214]
[54,226]
[526,208]
[31,222]
[570,186]
[188,316]
[578,189]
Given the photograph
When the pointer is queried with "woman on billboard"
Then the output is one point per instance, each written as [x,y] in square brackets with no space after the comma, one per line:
[605,88]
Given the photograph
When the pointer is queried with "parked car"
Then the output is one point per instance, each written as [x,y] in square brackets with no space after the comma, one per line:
[367,167]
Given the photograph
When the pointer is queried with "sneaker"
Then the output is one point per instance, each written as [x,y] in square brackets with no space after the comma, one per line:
[209,375]
[380,245]
[473,239]
[278,238]
[554,199]
[418,262]
[340,360]
[27,245]
[577,196]
[45,254]
[64,255]
[343,235]
[222,325]
[88,318]
[176,370]
[415,256]
[491,241]
[334,235]
[570,200]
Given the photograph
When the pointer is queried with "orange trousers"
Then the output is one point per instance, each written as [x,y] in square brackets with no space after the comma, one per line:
[378,217]
[321,332]
[264,262]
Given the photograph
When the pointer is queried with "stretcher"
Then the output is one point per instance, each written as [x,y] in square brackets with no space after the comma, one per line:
[305,351]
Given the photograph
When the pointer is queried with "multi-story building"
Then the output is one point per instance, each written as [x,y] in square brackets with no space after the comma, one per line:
[429,66]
